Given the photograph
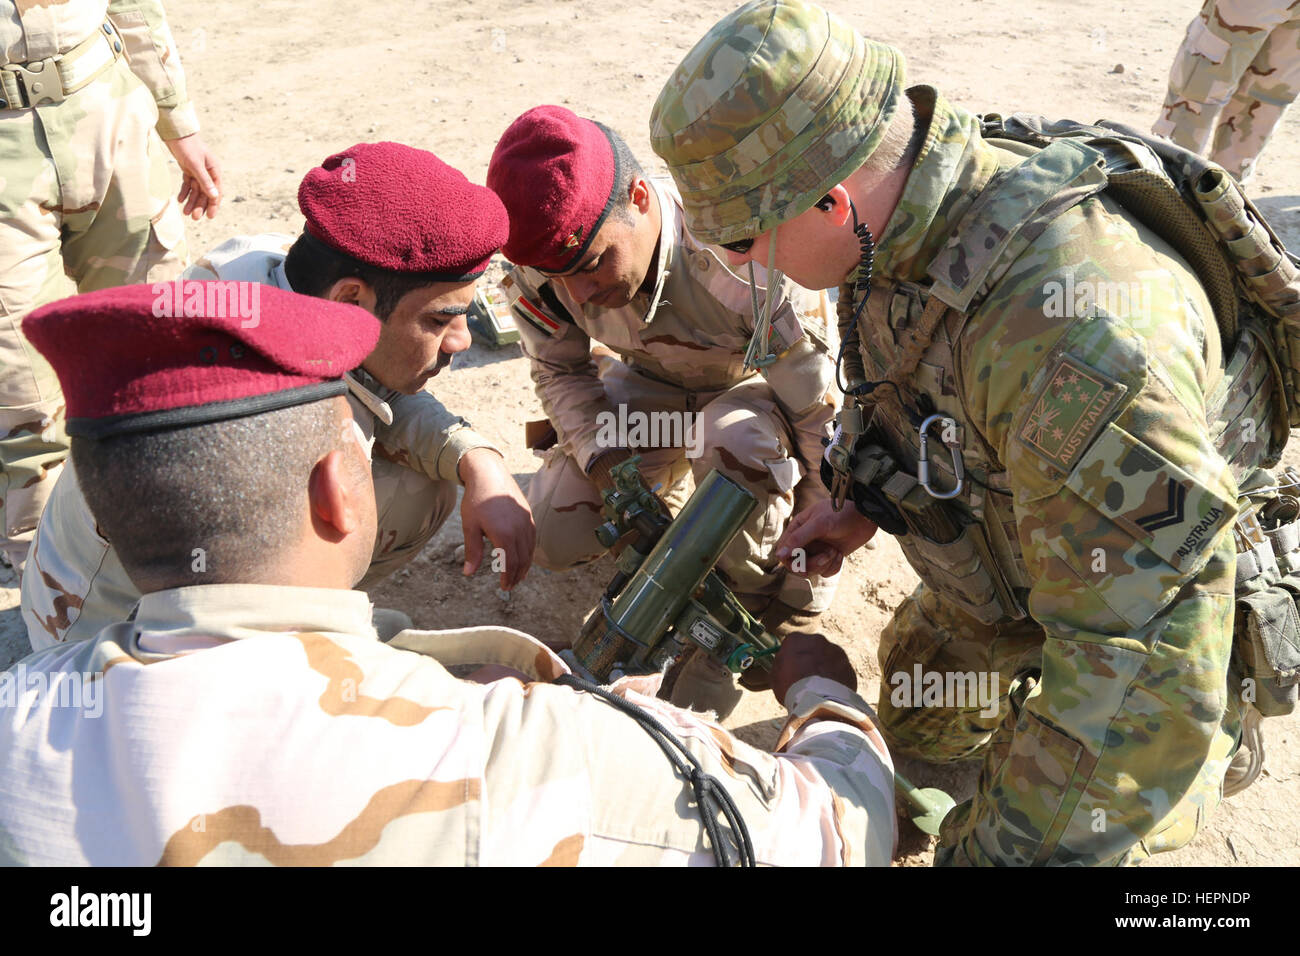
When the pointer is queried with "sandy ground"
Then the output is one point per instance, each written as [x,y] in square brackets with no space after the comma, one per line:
[280,85]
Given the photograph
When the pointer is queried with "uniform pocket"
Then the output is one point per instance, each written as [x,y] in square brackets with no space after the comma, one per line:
[1199,72]
[1266,646]
[961,570]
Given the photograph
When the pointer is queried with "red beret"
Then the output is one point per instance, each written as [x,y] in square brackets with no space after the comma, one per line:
[403,210]
[146,357]
[556,173]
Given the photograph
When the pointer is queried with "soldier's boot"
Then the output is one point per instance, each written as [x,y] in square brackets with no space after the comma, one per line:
[1248,761]
[698,682]
[389,622]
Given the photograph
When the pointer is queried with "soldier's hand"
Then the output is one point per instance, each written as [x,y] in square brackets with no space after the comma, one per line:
[807,655]
[200,176]
[495,508]
[817,538]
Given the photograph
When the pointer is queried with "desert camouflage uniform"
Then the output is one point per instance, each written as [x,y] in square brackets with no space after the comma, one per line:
[420,768]
[1233,78]
[682,348]
[86,202]
[77,586]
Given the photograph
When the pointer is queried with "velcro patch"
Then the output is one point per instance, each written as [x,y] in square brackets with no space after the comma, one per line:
[1151,498]
[534,316]
[1069,412]
[786,329]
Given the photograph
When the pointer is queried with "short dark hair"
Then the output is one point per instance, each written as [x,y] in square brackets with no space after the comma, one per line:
[628,170]
[901,143]
[232,488]
[312,268]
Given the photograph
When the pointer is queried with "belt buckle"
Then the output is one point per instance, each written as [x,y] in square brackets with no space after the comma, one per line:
[39,86]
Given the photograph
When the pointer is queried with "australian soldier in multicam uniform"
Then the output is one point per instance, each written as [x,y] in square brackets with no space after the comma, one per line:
[419,768]
[414,279]
[1086,556]
[1233,78]
[85,202]
[603,255]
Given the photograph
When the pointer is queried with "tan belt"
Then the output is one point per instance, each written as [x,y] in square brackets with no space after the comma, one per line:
[55,79]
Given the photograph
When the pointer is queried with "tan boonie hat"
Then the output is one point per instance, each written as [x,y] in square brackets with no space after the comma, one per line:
[779,102]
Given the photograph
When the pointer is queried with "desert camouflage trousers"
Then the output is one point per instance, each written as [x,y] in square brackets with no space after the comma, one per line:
[75,585]
[739,431]
[1233,78]
[86,202]
[1004,660]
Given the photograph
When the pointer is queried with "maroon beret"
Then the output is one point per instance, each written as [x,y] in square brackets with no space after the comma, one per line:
[556,173]
[403,210]
[146,357]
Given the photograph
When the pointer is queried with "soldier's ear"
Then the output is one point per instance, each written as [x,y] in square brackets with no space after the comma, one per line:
[350,291]
[836,204]
[638,194]
[332,495]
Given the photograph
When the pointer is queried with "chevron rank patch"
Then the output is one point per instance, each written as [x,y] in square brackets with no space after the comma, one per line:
[1150,498]
[1069,411]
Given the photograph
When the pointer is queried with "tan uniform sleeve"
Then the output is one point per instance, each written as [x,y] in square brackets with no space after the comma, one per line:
[803,376]
[605,793]
[154,59]
[426,436]
[560,362]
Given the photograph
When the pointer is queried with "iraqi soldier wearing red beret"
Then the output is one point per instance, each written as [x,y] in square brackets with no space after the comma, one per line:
[604,255]
[249,715]
[402,234]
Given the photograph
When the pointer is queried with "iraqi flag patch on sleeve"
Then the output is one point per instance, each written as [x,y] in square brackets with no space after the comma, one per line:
[531,313]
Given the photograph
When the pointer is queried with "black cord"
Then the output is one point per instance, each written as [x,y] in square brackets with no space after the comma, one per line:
[861,290]
[711,797]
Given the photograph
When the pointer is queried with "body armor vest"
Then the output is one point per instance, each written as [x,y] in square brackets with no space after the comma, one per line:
[966,547]
[921,468]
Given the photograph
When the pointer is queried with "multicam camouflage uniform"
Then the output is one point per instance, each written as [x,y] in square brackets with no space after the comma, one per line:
[420,768]
[1091,566]
[86,201]
[76,586]
[1109,513]
[1233,78]
[682,348]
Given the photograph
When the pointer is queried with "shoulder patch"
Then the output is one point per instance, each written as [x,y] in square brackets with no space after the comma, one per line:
[532,313]
[535,302]
[1151,498]
[1069,412]
[786,328]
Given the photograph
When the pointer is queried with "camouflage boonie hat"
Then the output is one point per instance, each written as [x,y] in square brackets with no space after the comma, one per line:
[779,102]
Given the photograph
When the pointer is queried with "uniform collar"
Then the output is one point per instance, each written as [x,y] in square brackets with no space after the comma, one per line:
[178,620]
[947,175]
[280,278]
[368,390]
[672,236]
